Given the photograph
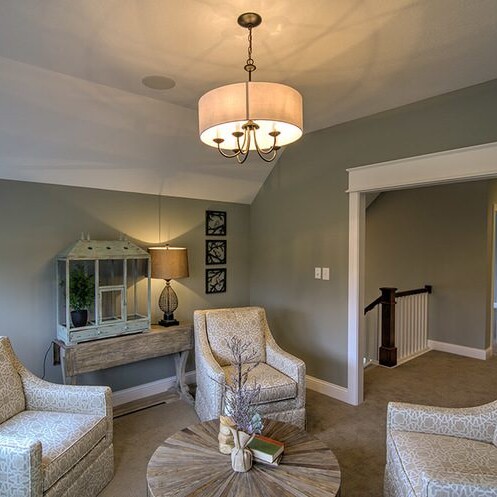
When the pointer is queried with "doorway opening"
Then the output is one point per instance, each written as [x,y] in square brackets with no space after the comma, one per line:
[466,164]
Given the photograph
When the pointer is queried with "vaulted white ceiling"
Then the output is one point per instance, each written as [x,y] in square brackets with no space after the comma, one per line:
[73,109]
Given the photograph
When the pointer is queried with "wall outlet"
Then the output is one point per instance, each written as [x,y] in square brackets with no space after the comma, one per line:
[317,273]
[326,273]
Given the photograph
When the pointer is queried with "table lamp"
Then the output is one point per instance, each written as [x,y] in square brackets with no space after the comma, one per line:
[169,263]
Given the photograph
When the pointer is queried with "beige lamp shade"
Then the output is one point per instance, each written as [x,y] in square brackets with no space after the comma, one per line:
[272,106]
[169,263]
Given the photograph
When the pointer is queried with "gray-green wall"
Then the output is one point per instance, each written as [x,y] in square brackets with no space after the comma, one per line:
[38,221]
[438,236]
[299,219]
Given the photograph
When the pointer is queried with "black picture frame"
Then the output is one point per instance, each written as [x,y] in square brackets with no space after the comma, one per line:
[215,252]
[215,223]
[215,280]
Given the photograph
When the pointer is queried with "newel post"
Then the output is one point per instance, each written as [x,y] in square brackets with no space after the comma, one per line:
[388,350]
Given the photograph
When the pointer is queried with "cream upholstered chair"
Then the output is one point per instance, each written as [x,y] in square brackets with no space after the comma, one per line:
[280,375]
[55,440]
[441,452]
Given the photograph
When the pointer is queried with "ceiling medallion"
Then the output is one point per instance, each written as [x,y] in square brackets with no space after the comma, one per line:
[259,116]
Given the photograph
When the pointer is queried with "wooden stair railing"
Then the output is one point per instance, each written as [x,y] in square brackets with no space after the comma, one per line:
[388,350]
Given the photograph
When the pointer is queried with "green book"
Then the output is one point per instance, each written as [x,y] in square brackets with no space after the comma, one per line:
[266,449]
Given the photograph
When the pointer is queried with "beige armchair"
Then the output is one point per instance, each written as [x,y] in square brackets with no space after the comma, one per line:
[55,440]
[280,375]
[441,452]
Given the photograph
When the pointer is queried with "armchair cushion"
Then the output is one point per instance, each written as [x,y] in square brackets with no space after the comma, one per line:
[224,323]
[275,386]
[65,438]
[11,392]
[442,455]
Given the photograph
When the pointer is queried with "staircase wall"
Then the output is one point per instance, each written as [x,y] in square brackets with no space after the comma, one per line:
[437,236]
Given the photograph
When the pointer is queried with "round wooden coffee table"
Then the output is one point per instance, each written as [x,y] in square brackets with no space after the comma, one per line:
[189,464]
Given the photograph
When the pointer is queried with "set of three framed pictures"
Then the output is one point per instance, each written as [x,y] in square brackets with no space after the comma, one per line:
[215,251]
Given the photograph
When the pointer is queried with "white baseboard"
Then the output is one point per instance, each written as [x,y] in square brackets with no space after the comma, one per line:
[327,388]
[482,354]
[148,389]
[159,386]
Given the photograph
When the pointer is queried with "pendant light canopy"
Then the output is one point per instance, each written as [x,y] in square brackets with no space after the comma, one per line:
[258,116]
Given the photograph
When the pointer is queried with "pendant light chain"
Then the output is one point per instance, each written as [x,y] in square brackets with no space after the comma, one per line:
[250,66]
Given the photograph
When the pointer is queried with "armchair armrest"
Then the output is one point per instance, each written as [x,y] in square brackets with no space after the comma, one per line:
[42,395]
[281,360]
[210,375]
[210,385]
[458,485]
[475,423]
[204,358]
[288,364]
[20,467]
[210,367]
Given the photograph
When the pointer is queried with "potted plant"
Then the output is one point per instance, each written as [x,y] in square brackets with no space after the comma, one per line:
[81,295]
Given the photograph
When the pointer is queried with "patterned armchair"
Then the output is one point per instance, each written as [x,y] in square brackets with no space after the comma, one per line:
[280,375]
[441,452]
[55,440]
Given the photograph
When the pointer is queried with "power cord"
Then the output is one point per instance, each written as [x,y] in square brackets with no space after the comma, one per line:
[45,360]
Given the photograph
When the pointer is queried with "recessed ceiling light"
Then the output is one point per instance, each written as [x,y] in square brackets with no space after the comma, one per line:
[158,82]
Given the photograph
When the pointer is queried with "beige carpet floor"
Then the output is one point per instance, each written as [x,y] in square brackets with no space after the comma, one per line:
[355,434]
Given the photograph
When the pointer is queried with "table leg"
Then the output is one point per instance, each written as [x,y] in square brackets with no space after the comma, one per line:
[180,363]
[66,379]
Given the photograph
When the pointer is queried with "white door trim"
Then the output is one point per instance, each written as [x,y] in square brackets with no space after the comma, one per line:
[461,164]
[464,164]
[493,290]
[357,215]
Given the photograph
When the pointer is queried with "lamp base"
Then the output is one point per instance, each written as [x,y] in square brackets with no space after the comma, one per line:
[168,320]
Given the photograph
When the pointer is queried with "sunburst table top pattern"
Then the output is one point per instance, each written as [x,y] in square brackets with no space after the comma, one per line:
[189,464]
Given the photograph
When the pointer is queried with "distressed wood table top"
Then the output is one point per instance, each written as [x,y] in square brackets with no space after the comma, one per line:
[107,353]
[190,464]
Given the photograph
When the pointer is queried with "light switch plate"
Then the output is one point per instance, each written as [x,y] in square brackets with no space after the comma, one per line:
[317,273]
[326,273]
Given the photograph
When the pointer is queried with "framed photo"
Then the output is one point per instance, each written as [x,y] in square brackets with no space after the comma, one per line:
[215,252]
[215,280]
[215,223]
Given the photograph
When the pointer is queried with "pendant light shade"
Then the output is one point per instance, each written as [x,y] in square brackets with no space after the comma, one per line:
[272,106]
